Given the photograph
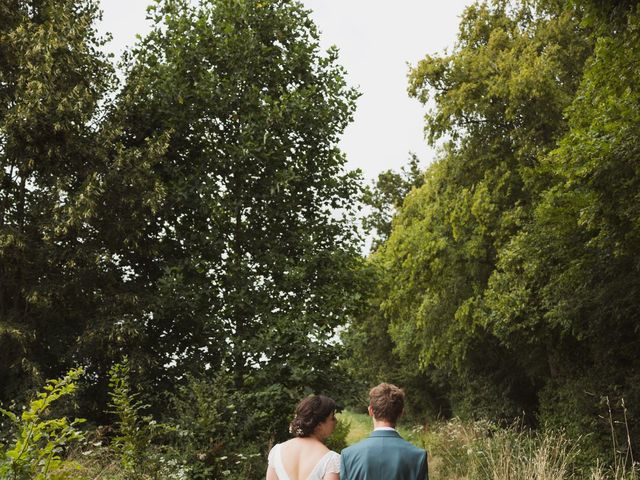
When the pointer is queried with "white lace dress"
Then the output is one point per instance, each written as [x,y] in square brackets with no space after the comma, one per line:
[329,463]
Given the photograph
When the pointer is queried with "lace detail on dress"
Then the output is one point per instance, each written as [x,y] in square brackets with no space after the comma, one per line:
[330,463]
[333,463]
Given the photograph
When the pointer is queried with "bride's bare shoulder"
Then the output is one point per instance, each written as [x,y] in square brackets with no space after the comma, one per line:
[305,444]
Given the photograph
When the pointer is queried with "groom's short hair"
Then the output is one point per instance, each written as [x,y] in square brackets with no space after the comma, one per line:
[387,402]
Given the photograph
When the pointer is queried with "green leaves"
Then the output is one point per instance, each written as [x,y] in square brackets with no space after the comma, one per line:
[54,82]
[385,198]
[246,250]
[39,443]
[498,100]
[513,268]
[187,217]
[135,431]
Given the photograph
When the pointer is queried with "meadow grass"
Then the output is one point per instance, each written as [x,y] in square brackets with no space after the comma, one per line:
[361,426]
[483,451]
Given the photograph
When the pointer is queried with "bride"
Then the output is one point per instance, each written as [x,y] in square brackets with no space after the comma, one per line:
[305,456]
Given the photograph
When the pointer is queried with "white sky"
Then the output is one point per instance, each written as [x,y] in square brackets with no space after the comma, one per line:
[376,39]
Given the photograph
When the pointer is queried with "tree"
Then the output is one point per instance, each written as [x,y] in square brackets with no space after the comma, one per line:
[567,284]
[53,79]
[372,357]
[250,267]
[499,100]
[198,219]
[385,198]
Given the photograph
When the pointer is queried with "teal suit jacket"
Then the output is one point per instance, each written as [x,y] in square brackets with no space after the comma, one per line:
[385,455]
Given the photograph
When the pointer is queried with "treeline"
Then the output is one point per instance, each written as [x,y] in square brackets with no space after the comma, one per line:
[177,209]
[508,280]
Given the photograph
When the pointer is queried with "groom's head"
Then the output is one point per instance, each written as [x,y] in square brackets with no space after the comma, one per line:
[386,402]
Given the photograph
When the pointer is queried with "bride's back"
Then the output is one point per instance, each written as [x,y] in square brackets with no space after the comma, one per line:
[300,456]
[305,457]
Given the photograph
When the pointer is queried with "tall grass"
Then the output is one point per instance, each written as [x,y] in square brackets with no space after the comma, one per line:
[483,451]
[359,425]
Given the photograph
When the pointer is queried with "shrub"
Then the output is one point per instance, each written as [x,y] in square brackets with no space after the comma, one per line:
[39,443]
[215,430]
[135,431]
[338,439]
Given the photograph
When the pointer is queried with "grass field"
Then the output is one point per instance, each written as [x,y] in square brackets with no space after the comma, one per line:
[361,426]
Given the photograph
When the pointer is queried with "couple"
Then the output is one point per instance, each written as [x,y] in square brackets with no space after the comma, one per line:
[382,456]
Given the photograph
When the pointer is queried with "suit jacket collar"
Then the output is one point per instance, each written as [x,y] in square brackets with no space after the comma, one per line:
[384,433]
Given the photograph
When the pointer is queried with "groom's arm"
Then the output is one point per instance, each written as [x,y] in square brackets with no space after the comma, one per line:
[424,468]
[343,466]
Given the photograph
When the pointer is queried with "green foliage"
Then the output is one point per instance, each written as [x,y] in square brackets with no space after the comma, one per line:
[512,271]
[254,264]
[570,275]
[198,218]
[241,262]
[224,433]
[385,198]
[65,184]
[499,99]
[202,220]
[133,443]
[489,96]
[39,443]
[338,439]
[53,79]
[186,218]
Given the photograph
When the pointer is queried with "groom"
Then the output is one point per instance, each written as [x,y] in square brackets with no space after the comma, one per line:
[384,455]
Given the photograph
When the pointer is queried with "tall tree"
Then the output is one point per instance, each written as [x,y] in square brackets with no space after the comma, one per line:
[372,355]
[250,266]
[52,80]
[385,196]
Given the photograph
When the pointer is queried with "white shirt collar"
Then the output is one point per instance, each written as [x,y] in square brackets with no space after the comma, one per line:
[384,428]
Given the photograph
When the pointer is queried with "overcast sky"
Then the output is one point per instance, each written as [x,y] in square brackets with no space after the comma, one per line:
[376,39]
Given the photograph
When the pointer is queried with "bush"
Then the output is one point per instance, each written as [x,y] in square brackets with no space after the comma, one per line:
[338,439]
[135,431]
[39,443]
[218,429]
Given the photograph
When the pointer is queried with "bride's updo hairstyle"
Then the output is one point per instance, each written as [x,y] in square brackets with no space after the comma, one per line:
[310,412]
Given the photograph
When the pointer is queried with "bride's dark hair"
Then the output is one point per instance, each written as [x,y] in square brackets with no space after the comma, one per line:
[310,412]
